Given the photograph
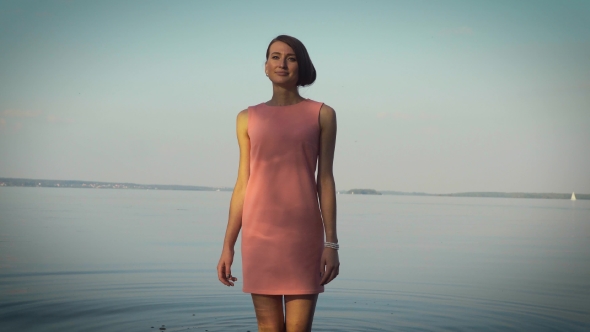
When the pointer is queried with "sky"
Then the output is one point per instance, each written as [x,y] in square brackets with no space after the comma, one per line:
[430,96]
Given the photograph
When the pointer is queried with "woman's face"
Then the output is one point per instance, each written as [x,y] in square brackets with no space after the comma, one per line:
[281,65]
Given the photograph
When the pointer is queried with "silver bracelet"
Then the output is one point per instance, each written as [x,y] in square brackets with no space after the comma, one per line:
[332,245]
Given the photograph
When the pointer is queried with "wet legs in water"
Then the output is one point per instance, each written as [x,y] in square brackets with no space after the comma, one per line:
[297,315]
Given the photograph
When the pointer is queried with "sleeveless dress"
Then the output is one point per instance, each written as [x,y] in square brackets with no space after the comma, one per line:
[282,227]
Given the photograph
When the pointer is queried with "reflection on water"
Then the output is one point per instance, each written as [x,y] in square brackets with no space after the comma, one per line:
[96,260]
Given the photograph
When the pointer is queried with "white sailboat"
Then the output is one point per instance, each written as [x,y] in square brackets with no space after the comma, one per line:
[573,196]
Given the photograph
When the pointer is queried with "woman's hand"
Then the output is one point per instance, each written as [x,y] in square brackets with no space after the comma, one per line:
[330,266]
[224,267]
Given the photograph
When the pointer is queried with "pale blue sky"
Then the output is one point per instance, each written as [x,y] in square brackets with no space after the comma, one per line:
[435,96]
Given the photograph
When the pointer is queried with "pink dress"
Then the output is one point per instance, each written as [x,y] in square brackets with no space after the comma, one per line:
[282,228]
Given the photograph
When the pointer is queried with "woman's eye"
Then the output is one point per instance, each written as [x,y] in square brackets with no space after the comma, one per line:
[292,59]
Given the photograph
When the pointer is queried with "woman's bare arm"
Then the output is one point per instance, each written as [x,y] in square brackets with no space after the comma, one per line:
[234,223]
[327,191]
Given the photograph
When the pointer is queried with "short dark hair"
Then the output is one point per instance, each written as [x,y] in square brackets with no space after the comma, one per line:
[307,72]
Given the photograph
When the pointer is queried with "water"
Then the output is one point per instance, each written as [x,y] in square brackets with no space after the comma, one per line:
[131,260]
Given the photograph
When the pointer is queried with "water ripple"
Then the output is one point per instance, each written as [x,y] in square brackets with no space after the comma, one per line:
[174,299]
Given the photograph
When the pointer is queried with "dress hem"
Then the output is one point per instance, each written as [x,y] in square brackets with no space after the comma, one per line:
[291,292]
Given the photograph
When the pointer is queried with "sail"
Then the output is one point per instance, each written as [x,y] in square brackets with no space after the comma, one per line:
[573,196]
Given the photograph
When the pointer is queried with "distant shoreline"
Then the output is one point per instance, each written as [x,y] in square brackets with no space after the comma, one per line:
[505,195]
[44,183]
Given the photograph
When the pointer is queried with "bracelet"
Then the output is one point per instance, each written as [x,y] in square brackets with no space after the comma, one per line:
[332,245]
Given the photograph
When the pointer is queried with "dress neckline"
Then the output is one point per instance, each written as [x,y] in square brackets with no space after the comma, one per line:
[304,100]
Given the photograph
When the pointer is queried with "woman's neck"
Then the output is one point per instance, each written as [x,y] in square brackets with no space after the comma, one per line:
[284,97]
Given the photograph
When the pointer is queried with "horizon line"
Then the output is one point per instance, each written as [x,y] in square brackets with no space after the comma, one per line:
[225,187]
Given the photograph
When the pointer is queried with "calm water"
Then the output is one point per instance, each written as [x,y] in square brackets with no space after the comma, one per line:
[130,260]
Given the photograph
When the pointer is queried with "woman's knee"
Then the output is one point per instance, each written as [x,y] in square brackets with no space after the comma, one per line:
[299,310]
[269,312]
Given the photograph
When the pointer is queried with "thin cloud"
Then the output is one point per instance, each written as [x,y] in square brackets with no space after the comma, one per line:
[408,116]
[426,116]
[10,113]
[429,131]
[394,115]
[173,149]
[51,118]
[402,116]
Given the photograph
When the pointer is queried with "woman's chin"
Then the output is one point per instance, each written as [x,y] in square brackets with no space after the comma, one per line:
[284,81]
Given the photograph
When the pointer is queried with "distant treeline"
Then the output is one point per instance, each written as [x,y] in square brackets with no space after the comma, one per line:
[469,194]
[402,193]
[15,182]
[362,192]
[518,195]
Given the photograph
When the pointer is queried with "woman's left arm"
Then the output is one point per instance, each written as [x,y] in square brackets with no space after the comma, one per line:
[326,187]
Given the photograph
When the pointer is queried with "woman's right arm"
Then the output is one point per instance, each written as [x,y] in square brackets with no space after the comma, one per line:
[234,223]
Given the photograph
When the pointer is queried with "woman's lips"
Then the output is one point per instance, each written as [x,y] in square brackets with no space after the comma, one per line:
[282,74]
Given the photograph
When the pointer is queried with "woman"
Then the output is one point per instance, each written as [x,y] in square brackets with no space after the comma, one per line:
[275,200]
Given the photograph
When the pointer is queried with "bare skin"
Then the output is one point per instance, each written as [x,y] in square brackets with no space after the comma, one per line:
[298,316]
[282,69]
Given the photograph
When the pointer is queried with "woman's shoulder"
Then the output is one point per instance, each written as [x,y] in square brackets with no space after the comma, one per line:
[260,104]
[327,116]
[327,108]
[324,106]
[243,115]
[252,107]
[327,111]
[249,108]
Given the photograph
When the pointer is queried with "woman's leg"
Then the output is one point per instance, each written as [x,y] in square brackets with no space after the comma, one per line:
[269,312]
[299,310]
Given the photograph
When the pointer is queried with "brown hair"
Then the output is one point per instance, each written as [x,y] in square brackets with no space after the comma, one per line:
[307,72]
